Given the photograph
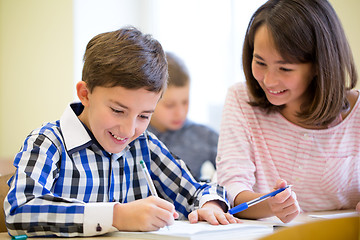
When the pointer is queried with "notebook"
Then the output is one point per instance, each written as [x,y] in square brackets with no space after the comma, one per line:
[183,230]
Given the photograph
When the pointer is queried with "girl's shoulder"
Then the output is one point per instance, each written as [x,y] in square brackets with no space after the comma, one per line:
[239,90]
[239,86]
[353,98]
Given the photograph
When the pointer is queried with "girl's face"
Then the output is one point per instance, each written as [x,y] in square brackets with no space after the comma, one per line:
[284,83]
[172,109]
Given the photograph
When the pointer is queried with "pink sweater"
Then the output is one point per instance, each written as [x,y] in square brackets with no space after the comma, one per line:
[255,149]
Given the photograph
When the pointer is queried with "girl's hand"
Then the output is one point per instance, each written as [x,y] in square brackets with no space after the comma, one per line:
[213,213]
[149,214]
[358,207]
[284,205]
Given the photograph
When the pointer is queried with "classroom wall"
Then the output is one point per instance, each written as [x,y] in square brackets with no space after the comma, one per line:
[36,63]
[36,67]
[348,12]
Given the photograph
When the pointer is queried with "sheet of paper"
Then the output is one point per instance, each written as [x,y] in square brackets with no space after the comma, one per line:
[335,215]
[204,231]
[185,228]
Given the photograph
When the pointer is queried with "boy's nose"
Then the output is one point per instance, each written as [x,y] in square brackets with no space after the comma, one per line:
[181,111]
[128,128]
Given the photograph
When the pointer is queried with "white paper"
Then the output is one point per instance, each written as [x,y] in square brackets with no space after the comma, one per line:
[335,215]
[204,230]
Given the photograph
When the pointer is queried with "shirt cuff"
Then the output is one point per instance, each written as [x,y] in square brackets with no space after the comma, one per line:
[208,197]
[98,218]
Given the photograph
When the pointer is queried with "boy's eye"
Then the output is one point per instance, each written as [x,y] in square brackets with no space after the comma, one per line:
[116,111]
[169,105]
[144,116]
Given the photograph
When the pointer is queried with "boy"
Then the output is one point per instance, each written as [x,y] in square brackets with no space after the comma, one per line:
[170,124]
[81,175]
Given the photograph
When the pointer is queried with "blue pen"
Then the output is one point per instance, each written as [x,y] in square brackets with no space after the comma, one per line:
[246,205]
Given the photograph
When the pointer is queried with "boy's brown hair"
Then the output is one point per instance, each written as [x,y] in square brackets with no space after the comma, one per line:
[306,31]
[126,58]
[178,72]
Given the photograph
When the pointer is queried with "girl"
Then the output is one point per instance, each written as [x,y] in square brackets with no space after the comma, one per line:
[296,121]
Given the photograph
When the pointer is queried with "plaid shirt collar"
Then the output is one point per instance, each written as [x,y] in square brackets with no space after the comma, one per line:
[76,135]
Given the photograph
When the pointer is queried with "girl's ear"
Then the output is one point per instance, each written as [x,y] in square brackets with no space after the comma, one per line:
[83,92]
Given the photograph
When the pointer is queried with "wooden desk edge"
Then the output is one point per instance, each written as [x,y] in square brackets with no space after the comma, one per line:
[302,218]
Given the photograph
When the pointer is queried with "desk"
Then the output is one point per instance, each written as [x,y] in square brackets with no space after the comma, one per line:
[302,218]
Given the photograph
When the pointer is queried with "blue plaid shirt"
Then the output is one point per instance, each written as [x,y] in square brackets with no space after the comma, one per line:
[64,179]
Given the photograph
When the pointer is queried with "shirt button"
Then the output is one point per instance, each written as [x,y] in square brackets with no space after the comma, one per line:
[306,136]
[98,228]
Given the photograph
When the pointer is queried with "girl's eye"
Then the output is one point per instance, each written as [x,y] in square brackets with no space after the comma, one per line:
[260,63]
[285,69]
[144,117]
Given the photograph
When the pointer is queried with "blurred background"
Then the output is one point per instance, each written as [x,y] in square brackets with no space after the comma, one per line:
[42,43]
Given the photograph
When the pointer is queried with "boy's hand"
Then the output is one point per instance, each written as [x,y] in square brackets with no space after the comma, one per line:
[358,207]
[149,214]
[213,213]
[284,204]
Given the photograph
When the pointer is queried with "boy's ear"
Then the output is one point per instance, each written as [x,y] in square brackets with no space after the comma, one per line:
[82,92]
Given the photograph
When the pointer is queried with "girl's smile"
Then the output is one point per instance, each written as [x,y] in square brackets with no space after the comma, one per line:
[276,92]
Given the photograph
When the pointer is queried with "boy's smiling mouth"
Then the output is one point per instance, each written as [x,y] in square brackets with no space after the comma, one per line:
[117,137]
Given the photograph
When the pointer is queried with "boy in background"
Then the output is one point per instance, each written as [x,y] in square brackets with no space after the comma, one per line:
[195,144]
[81,175]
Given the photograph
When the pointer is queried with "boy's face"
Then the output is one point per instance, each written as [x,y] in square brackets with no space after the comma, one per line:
[116,116]
[171,112]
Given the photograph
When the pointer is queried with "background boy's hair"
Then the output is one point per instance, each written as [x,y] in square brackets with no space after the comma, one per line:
[178,72]
[306,31]
[126,58]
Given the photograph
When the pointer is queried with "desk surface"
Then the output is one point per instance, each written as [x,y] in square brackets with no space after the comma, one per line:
[302,218]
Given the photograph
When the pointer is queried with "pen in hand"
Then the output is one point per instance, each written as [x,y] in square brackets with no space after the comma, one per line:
[148,179]
[246,205]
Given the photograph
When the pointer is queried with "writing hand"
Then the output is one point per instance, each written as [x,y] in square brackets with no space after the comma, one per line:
[149,214]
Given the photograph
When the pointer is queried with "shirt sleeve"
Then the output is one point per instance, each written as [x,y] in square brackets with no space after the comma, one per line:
[235,165]
[175,183]
[32,208]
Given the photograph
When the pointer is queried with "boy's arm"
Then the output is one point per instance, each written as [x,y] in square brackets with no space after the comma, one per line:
[32,208]
[176,184]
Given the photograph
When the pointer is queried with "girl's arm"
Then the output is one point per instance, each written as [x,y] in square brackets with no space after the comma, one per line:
[283,205]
